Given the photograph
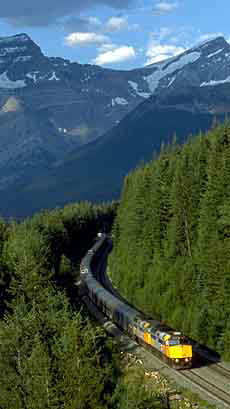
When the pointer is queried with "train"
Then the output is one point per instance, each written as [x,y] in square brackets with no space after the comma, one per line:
[174,348]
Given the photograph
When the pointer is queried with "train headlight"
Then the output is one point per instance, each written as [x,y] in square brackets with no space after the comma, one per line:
[186,359]
[177,360]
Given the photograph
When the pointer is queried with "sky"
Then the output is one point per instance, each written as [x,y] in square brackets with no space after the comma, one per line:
[117,34]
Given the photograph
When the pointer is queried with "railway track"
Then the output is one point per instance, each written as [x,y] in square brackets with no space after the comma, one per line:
[210,381]
[221,370]
[207,387]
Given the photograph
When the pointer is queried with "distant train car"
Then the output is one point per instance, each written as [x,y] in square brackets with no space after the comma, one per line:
[173,348]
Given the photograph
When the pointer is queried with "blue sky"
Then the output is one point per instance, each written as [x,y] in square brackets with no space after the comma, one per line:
[118,34]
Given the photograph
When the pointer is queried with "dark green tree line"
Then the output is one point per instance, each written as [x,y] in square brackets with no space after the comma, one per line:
[171,237]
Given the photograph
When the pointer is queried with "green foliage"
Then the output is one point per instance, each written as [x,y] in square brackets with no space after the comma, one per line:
[50,357]
[136,394]
[172,237]
[87,366]
[4,273]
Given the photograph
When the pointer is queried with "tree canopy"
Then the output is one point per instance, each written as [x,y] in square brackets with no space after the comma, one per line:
[172,236]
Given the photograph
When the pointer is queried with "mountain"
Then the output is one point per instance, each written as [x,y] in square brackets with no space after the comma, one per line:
[185,94]
[95,172]
[50,106]
[206,64]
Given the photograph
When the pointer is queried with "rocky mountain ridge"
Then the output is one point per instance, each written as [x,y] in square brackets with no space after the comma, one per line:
[51,106]
[207,64]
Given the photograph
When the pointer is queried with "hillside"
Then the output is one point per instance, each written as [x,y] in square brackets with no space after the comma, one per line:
[96,172]
[172,238]
[50,106]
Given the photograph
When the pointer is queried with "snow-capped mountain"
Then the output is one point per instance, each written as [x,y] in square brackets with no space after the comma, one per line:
[50,106]
[23,65]
[206,64]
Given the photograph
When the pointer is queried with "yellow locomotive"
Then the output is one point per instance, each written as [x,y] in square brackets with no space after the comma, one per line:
[175,349]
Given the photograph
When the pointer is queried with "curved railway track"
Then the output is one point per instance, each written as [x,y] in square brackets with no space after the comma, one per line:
[212,380]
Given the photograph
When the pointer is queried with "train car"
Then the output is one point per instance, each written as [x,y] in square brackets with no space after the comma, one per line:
[171,345]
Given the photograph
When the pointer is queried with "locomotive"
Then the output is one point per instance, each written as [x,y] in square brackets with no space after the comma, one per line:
[174,348]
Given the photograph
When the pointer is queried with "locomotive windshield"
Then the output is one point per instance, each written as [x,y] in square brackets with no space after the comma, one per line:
[174,341]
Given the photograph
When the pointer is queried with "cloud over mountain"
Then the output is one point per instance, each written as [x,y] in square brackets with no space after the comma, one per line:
[85,39]
[116,55]
[157,52]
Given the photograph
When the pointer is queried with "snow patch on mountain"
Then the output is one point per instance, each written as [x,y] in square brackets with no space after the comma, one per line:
[5,82]
[169,68]
[11,50]
[212,82]
[216,52]
[23,58]
[119,101]
[172,80]
[36,76]
[53,77]
[142,94]
[32,75]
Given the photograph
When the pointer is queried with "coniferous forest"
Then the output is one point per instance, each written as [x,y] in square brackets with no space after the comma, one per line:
[52,355]
[172,238]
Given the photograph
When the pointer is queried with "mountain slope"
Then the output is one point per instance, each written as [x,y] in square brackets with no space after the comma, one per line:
[47,106]
[68,104]
[96,171]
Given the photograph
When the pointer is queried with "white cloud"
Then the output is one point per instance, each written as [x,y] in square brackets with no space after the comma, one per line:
[167,42]
[85,39]
[106,47]
[164,7]
[116,24]
[116,55]
[93,24]
[157,52]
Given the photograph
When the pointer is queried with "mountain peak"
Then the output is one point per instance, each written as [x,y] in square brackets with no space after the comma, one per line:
[22,37]
[210,41]
[18,56]
[210,45]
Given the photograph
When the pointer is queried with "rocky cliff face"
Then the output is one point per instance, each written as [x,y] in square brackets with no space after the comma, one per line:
[50,106]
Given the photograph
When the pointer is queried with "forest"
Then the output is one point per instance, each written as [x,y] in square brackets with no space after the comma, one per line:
[52,354]
[171,238]
[170,258]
